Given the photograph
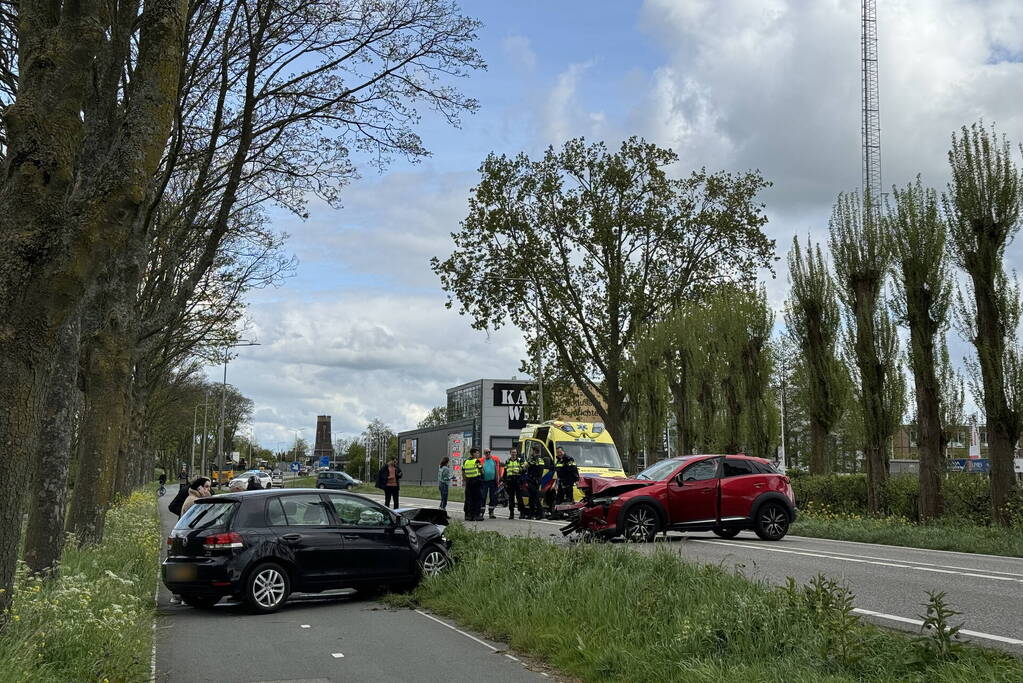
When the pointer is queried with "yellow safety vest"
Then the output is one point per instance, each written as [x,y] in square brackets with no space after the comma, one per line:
[471,468]
[513,468]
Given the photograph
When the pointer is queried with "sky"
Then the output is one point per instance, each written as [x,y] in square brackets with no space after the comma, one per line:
[361,332]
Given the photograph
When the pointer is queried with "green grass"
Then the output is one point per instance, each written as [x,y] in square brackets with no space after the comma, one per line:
[300,483]
[966,538]
[603,613]
[94,622]
[413,491]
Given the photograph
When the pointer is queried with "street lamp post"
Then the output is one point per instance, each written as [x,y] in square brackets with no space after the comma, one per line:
[195,415]
[223,401]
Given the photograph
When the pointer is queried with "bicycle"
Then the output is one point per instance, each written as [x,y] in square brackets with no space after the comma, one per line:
[162,491]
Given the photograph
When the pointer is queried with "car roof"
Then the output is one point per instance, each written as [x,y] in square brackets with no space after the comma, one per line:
[240,495]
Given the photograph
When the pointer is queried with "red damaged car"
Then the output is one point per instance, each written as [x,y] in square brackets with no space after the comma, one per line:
[720,493]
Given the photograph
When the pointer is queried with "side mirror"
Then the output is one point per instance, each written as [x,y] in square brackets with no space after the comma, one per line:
[402,521]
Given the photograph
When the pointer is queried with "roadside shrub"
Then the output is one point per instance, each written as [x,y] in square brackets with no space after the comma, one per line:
[967,498]
[901,496]
[843,493]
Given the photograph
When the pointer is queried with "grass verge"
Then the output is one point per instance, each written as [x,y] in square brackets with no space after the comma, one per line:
[603,613]
[414,491]
[965,538]
[300,483]
[94,621]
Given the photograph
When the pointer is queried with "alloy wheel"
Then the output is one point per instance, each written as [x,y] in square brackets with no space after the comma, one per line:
[774,521]
[268,588]
[640,524]
[434,562]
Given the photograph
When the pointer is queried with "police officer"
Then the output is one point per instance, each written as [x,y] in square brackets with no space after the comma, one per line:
[568,474]
[513,470]
[472,473]
[535,469]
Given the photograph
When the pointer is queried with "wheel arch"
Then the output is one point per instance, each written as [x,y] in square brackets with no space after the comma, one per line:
[769,497]
[658,507]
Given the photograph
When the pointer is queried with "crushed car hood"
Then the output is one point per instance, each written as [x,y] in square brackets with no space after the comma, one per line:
[609,486]
[434,516]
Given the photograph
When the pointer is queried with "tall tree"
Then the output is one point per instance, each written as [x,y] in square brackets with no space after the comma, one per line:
[813,321]
[922,298]
[606,242]
[757,361]
[862,257]
[437,416]
[83,136]
[983,205]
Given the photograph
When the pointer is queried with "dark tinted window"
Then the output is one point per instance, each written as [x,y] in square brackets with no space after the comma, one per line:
[764,467]
[353,511]
[700,471]
[205,515]
[737,468]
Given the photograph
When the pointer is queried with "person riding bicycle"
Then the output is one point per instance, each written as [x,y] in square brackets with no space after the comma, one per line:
[163,478]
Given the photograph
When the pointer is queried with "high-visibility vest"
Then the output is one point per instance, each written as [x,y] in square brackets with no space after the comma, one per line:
[471,468]
[513,468]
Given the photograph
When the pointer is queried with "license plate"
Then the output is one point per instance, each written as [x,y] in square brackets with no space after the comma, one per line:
[180,572]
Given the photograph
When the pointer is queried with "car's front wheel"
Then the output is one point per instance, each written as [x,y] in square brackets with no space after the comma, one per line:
[267,588]
[320,486]
[641,523]
[772,522]
[726,533]
[200,601]
[433,560]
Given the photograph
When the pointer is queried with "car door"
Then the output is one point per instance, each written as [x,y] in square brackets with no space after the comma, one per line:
[693,493]
[304,525]
[741,483]
[375,546]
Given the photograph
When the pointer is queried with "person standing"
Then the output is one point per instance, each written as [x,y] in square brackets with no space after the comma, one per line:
[513,483]
[491,475]
[472,473]
[568,474]
[535,469]
[444,481]
[200,488]
[388,479]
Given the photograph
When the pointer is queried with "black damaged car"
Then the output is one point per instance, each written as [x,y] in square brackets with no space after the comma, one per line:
[261,546]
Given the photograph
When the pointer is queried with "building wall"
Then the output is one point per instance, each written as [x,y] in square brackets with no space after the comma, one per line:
[508,406]
[429,447]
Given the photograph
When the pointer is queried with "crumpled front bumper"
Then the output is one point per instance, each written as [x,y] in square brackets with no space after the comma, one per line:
[586,518]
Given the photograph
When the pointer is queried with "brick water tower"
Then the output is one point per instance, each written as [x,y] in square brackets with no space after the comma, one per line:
[324,447]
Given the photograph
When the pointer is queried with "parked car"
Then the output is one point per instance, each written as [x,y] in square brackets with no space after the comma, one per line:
[336,480]
[265,480]
[262,546]
[722,494]
[277,477]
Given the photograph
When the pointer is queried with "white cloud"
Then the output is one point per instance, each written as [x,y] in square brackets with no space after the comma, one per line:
[519,51]
[563,115]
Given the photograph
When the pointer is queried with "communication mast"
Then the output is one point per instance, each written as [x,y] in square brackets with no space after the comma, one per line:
[871,123]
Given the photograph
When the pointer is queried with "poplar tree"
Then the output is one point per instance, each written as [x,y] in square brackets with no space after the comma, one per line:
[862,257]
[921,301]
[983,206]
[813,321]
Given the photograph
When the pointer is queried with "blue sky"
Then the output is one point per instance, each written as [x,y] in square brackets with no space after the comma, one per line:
[361,332]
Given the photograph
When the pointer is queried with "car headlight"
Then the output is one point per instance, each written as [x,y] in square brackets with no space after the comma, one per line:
[605,501]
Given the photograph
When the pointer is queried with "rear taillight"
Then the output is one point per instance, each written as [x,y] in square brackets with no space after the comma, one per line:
[170,540]
[226,541]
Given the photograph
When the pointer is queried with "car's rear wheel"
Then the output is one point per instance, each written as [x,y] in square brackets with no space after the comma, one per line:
[200,601]
[267,588]
[641,524]
[726,533]
[772,522]
[433,560]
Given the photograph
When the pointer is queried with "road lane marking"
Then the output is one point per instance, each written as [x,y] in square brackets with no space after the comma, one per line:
[896,564]
[902,547]
[304,626]
[457,630]
[337,655]
[918,622]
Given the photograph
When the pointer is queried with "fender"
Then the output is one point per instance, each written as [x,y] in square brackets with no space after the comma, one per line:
[772,496]
[649,500]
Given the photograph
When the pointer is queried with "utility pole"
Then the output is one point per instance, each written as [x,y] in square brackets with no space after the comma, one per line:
[205,431]
[871,121]
[223,401]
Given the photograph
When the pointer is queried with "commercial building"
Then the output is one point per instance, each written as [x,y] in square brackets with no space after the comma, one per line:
[486,413]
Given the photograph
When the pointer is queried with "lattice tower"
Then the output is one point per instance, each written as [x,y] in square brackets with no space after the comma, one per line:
[871,123]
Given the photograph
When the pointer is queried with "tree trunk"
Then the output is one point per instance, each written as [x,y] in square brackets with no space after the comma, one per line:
[44,536]
[931,439]
[820,463]
[734,417]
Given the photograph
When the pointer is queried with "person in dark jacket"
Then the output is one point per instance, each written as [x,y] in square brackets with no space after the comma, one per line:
[389,479]
[254,484]
[537,465]
[568,474]
[513,471]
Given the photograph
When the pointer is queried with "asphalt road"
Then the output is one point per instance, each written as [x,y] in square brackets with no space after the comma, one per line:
[329,637]
[890,583]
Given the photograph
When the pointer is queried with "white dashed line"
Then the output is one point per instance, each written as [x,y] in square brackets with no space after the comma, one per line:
[337,655]
[917,622]
[304,626]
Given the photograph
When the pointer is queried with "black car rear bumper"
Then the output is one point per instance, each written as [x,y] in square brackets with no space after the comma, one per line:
[199,576]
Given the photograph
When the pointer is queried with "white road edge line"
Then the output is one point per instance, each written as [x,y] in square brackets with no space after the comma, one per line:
[917,622]
[903,547]
[896,564]
[457,630]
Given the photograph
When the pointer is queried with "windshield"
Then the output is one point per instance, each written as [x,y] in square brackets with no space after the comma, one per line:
[660,471]
[203,515]
[591,454]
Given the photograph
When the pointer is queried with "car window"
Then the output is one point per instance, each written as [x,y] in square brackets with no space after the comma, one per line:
[305,510]
[737,468]
[205,515]
[356,512]
[275,513]
[700,471]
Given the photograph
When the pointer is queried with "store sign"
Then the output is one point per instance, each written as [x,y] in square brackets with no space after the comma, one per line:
[516,399]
